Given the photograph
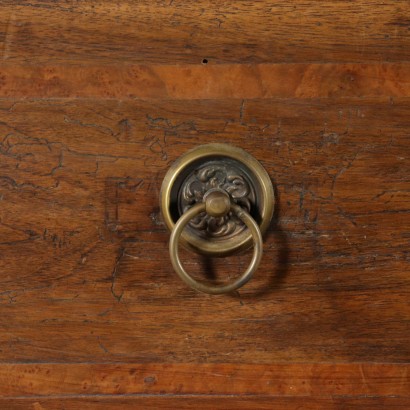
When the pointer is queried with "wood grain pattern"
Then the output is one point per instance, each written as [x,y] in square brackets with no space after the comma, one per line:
[206,403]
[320,380]
[190,82]
[79,188]
[98,98]
[175,31]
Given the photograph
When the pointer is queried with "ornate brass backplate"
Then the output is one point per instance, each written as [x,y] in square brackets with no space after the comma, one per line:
[229,170]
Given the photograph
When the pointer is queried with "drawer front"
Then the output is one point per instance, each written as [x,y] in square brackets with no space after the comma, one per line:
[89,125]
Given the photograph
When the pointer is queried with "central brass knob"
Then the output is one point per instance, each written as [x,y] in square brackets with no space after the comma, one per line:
[217,202]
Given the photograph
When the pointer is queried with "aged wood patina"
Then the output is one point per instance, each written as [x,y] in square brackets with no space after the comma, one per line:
[98,99]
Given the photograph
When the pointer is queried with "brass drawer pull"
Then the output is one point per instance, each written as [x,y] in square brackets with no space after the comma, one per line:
[216,207]
[217,200]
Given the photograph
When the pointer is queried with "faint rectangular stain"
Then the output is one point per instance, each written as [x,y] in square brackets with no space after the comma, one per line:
[8,36]
[123,197]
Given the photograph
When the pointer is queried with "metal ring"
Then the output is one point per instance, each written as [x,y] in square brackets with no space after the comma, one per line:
[201,287]
[221,155]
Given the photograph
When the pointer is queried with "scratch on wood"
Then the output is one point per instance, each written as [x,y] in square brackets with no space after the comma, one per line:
[102,128]
[347,216]
[121,254]
[241,112]
[103,348]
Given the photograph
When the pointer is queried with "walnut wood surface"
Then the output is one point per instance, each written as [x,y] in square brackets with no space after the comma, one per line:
[192,82]
[175,31]
[79,186]
[97,99]
[205,403]
[324,380]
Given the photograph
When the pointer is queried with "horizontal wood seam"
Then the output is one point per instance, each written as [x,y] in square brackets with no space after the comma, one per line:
[201,396]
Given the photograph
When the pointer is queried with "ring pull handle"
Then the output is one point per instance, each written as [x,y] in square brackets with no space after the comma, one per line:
[215,188]
[217,203]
